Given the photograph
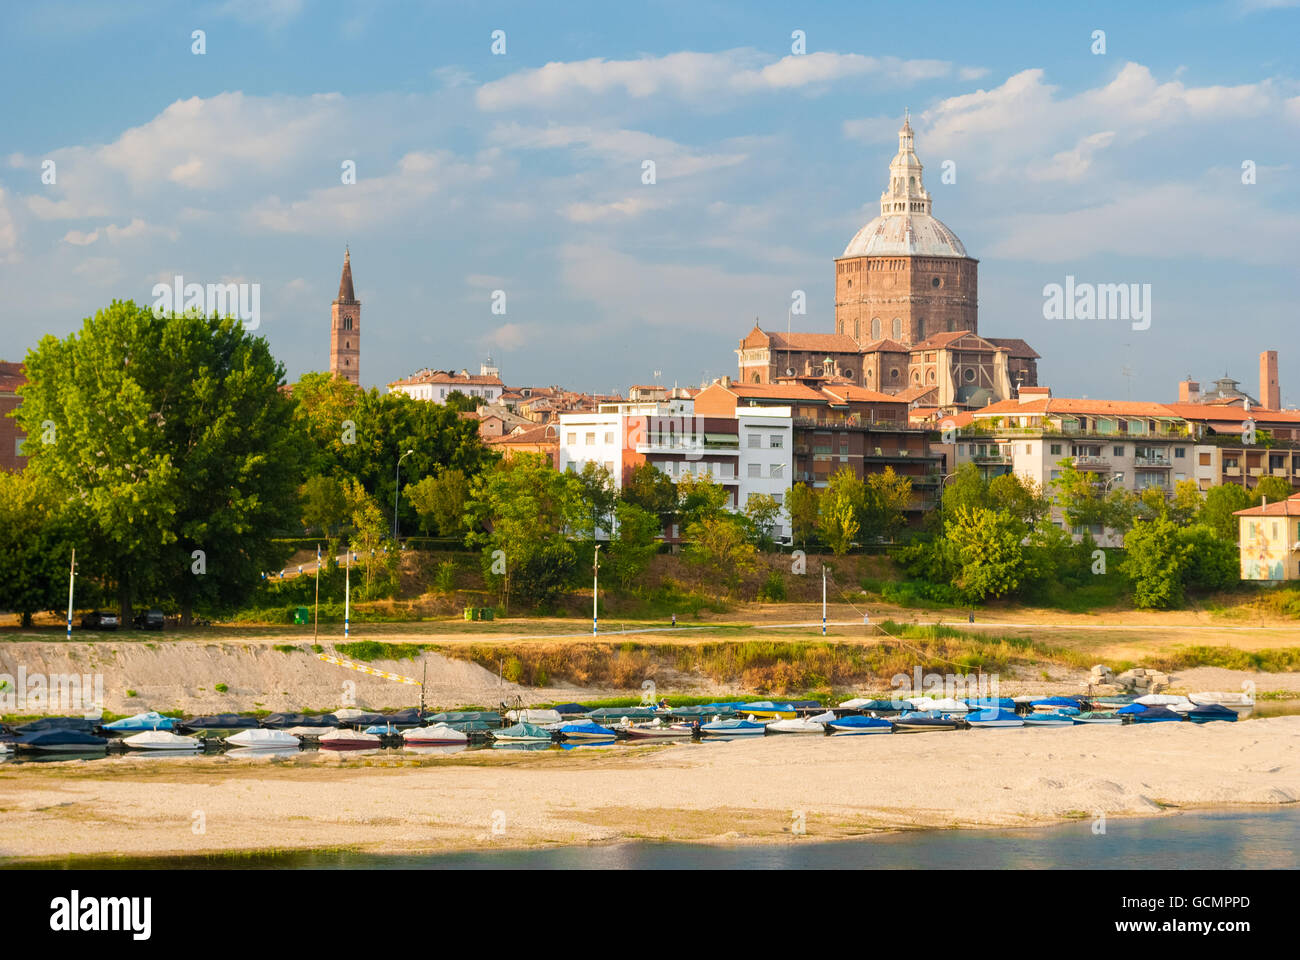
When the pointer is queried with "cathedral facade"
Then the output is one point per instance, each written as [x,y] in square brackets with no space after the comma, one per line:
[906,312]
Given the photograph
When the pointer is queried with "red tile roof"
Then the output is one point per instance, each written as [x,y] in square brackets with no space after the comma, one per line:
[1290,507]
[12,377]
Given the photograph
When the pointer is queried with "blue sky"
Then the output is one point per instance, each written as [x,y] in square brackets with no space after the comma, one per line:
[522,172]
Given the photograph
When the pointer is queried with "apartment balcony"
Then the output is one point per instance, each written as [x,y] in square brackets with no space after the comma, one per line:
[1256,471]
[1092,462]
[1151,462]
[688,449]
[992,458]
[1232,471]
[1279,472]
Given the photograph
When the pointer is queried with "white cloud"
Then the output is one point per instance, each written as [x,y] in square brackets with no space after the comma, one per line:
[625,146]
[1073,164]
[695,77]
[509,336]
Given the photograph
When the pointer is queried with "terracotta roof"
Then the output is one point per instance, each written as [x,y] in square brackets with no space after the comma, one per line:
[776,391]
[446,376]
[884,345]
[346,295]
[1234,414]
[523,435]
[1079,405]
[860,394]
[908,394]
[1015,346]
[1290,507]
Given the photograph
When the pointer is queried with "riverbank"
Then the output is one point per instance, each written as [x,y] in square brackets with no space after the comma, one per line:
[769,790]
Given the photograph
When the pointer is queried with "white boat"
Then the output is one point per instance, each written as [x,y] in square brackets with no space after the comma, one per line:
[261,739]
[345,739]
[733,728]
[857,703]
[162,740]
[1162,700]
[434,733]
[348,714]
[307,733]
[994,718]
[538,717]
[815,724]
[1233,701]
[656,729]
[949,705]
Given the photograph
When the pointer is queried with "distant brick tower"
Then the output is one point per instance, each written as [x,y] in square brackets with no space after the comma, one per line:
[1270,392]
[345,328]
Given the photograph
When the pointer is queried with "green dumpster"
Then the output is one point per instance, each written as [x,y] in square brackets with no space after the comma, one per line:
[487,613]
[469,613]
[302,615]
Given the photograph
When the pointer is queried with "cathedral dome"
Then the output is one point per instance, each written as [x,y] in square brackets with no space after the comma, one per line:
[905,227]
[905,234]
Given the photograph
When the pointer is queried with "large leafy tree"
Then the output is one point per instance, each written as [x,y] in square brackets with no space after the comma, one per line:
[174,447]
[801,505]
[518,513]
[887,497]
[1085,502]
[361,435]
[720,543]
[988,548]
[1216,512]
[634,543]
[842,504]
[35,545]
[596,487]
[1156,558]
[440,501]
[652,491]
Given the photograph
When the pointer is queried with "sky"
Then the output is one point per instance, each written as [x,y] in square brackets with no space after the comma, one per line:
[522,171]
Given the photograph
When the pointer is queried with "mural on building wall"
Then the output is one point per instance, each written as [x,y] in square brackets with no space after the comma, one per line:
[1263,549]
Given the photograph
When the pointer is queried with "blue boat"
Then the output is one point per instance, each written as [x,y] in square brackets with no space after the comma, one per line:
[1052,718]
[919,721]
[997,717]
[991,703]
[61,741]
[1210,712]
[1053,703]
[1155,715]
[383,730]
[584,730]
[858,723]
[732,728]
[142,721]
[1132,709]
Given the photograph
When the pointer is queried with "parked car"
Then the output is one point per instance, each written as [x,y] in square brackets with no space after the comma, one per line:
[99,620]
[149,620]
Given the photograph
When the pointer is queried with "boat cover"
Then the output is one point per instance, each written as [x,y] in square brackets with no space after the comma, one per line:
[992,715]
[59,738]
[1161,699]
[467,716]
[143,721]
[1156,713]
[219,721]
[80,724]
[530,731]
[281,721]
[859,722]
[1212,711]
[618,713]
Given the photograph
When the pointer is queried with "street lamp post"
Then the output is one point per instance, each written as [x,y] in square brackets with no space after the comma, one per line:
[595,587]
[397,490]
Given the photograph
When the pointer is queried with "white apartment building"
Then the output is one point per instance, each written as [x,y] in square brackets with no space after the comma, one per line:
[1128,444]
[438,385]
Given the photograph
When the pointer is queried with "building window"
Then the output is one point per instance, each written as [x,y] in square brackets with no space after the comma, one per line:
[875,328]
[591,439]
[916,376]
[961,449]
[893,373]
[776,441]
[755,469]
[1204,459]
[755,440]
[935,282]
[1180,453]
[1119,451]
[572,440]
[778,471]
[898,327]
[857,324]
[1056,449]
[726,471]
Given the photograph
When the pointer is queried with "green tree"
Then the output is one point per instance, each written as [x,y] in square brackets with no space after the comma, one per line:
[440,501]
[719,543]
[519,512]
[842,504]
[1085,502]
[596,488]
[763,512]
[801,504]
[1211,562]
[462,403]
[1186,502]
[886,499]
[1270,488]
[1154,559]
[988,550]
[324,507]
[175,446]
[35,545]
[1216,512]
[701,498]
[634,544]
[1018,496]
[652,491]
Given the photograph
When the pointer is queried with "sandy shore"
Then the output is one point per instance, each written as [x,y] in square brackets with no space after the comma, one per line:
[758,791]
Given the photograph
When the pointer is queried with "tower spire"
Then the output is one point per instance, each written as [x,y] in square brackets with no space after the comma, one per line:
[346,293]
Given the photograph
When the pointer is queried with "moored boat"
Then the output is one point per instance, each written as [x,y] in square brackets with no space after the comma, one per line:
[162,740]
[732,728]
[522,732]
[923,721]
[346,738]
[142,721]
[1210,712]
[656,729]
[260,739]
[1098,716]
[1233,701]
[1155,714]
[859,724]
[813,724]
[584,730]
[994,718]
[60,741]
[435,733]
[537,717]
[1051,718]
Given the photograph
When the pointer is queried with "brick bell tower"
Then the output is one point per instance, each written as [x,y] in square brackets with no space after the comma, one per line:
[345,328]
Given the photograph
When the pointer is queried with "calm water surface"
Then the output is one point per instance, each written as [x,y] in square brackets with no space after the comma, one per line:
[1225,840]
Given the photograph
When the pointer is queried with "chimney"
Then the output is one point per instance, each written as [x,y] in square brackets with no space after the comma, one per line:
[1270,392]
